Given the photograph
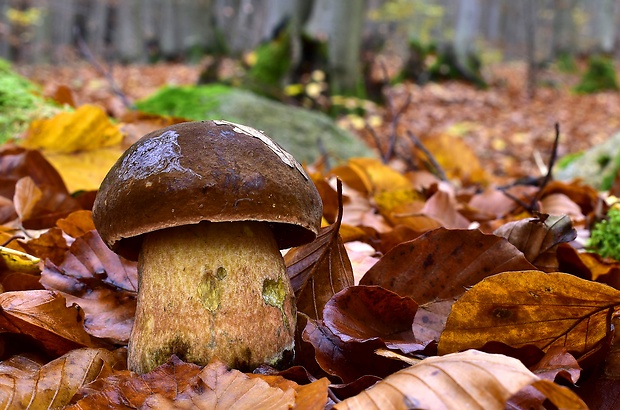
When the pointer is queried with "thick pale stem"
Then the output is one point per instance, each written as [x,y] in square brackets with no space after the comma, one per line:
[213,289]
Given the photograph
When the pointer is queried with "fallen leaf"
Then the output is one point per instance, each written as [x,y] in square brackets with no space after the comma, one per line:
[320,269]
[443,263]
[341,359]
[55,383]
[84,129]
[77,223]
[470,379]
[43,315]
[101,282]
[362,313]
[531,307]
[539,237]
[50,245]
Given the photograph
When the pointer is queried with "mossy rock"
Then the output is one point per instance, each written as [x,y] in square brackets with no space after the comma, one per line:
[302,132]
[597,166]
[20,103]
[600,76]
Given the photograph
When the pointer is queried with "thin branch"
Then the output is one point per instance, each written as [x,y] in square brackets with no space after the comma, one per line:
[88,55]
[438,169]
[549,176]
[394,115]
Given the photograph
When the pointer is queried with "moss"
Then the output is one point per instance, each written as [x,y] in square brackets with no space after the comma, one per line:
[20,103]
[193,103]
[600,76]
[566,63]
[605,236]
[568,159]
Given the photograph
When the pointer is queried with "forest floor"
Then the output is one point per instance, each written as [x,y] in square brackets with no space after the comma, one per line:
[511,134]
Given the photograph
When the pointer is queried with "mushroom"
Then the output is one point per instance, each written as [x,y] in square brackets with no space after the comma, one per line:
[205,208]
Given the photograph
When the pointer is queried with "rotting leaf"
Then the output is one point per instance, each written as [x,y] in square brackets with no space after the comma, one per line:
[101,282]
[470,379]
[319,269]
[55,383]
[532,307]
[539,237]
[43,315]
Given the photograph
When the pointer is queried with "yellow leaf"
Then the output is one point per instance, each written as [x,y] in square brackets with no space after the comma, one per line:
[531,308]
[18,261]
[84,129]
[85,170]
[456,158]
[369,175]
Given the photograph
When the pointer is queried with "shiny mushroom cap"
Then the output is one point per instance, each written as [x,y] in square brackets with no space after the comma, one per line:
[205,171]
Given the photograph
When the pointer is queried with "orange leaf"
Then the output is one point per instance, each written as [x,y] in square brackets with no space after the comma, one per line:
[23,384]
[531,307]
[43,315]
[27,194]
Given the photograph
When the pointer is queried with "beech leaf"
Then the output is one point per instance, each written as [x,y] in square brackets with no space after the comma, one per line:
[54,384]
[101,282]
[43,315]
[442,263]
[320,269]
[470,379]
[531,307]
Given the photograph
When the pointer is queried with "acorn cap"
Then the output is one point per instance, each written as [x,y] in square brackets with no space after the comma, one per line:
[205,171]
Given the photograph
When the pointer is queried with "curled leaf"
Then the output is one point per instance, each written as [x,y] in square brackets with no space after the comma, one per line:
[470,379]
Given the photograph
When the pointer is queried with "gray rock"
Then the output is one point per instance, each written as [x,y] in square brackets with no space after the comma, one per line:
[301,132]
[597,166]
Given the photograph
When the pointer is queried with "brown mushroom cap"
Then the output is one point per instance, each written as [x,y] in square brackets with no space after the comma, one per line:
[205,171]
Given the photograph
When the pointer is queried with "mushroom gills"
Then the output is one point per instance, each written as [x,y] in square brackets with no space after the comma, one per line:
[202,288]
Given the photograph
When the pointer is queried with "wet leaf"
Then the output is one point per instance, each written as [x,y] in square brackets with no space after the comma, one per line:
[538,238]
[43,315]
[101,282]
[362,313]
[25,384]
[319,270]
[442,263]
[469,379]
[531,307]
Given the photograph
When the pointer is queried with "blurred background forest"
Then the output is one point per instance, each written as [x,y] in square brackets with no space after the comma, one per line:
[497,74]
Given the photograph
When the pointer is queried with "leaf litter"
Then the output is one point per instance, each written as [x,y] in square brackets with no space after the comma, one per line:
[416,279]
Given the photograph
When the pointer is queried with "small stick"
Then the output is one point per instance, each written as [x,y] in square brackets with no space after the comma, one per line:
[438,169]
[394,114]
[549,176]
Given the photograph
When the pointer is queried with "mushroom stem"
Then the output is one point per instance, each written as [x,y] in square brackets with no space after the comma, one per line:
[213,289]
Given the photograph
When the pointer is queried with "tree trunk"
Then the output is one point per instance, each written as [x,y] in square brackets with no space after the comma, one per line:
[564,29]
[344,47]
[467,22]
[606,26]
[530,42]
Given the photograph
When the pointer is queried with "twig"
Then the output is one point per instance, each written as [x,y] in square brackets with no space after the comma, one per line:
[438,169]
[549,176]
[87,53]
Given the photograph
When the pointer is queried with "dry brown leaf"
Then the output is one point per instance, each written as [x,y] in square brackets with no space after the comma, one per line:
[216,387]
[50,245]
[531,307]
[54,384]
[27,194]
[539,237]
[319,269]
[101,282]
[441,264]
[361,313]
[470,379]
[43,315]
